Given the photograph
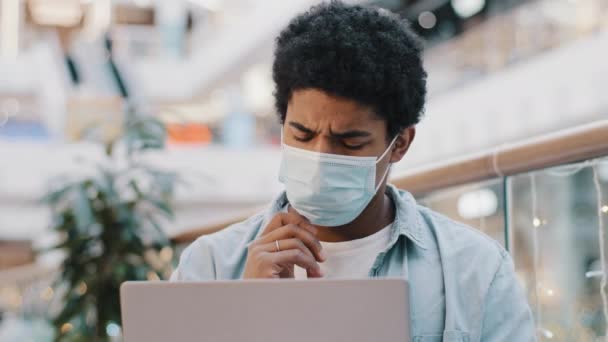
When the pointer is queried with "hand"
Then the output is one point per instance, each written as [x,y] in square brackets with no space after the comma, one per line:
[298,246]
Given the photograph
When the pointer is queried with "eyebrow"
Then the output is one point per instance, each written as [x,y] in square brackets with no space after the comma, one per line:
[340,135]
[350,134]
[301,127]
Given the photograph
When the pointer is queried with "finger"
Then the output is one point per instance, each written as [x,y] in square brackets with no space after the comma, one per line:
[283,219]
[284,245]
[297,257]
[294,231]
[314,274]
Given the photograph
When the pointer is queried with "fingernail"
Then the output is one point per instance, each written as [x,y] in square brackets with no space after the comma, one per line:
[323,255]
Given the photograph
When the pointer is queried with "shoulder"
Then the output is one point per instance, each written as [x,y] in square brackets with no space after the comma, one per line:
[461,246]
[462,235]
[442,233]
[218,255]
[235,234]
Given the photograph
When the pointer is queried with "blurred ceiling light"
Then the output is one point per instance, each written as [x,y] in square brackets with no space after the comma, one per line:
[546,333]
[143,3]
[9,28]
[467,8]
[257,89]
[477,204]
[98,19]
[427,20]
[211,5]
[64,13]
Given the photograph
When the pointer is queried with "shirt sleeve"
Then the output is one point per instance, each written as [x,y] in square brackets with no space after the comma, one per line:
[507,315]
[195,263]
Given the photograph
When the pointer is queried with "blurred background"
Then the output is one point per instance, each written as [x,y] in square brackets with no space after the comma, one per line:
[104,102]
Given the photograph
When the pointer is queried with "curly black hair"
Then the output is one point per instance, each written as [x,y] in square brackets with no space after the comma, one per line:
[353,52]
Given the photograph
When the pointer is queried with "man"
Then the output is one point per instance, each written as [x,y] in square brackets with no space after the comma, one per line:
[350,88]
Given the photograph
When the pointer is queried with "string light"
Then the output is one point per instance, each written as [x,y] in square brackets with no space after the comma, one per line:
[113,329]
[605,209]
[536,222]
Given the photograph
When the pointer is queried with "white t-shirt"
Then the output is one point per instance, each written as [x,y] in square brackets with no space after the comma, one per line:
[351,259]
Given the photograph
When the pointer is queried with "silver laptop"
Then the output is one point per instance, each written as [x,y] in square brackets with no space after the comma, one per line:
[266,310]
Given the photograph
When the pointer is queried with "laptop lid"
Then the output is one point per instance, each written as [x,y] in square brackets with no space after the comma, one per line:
[266,310]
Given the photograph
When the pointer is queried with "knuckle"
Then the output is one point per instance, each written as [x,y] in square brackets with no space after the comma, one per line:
[300,244]
[263,258]
[280,217]
[292,228]
[298,255]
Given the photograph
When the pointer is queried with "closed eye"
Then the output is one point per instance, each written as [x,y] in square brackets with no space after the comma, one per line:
[304,139]
[354,146]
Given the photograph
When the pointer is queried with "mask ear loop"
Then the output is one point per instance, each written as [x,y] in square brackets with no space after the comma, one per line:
[390,146]
[388,168]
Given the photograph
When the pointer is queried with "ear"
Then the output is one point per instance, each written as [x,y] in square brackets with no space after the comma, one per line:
[403,143]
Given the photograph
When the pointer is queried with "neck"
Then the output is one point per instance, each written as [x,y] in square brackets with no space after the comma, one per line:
[378,214]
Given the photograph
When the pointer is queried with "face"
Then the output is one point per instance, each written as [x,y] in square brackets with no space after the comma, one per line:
[319,122]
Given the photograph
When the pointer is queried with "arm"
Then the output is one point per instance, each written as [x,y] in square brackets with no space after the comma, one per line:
[507,316]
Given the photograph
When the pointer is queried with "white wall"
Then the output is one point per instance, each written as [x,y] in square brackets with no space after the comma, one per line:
[555,90]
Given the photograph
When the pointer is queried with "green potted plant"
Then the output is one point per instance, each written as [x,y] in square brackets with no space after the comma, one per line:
[109,223]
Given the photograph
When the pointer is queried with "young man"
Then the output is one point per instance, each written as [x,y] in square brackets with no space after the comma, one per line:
[350,88]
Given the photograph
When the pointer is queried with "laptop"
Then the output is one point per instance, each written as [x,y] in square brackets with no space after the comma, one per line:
[266,310]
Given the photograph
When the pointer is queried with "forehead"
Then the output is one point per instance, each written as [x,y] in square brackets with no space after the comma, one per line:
[313,107]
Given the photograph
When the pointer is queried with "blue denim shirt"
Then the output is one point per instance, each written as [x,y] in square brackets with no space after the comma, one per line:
[462,283]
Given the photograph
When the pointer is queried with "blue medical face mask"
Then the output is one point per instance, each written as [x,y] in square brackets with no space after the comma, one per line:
[329,189]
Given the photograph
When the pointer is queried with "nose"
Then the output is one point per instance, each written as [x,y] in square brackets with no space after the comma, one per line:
[324,145]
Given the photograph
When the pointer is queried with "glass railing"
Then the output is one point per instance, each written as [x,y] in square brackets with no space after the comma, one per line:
[553,222]
[478,205]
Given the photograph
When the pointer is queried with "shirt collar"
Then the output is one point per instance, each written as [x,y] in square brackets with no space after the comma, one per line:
[407,218]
